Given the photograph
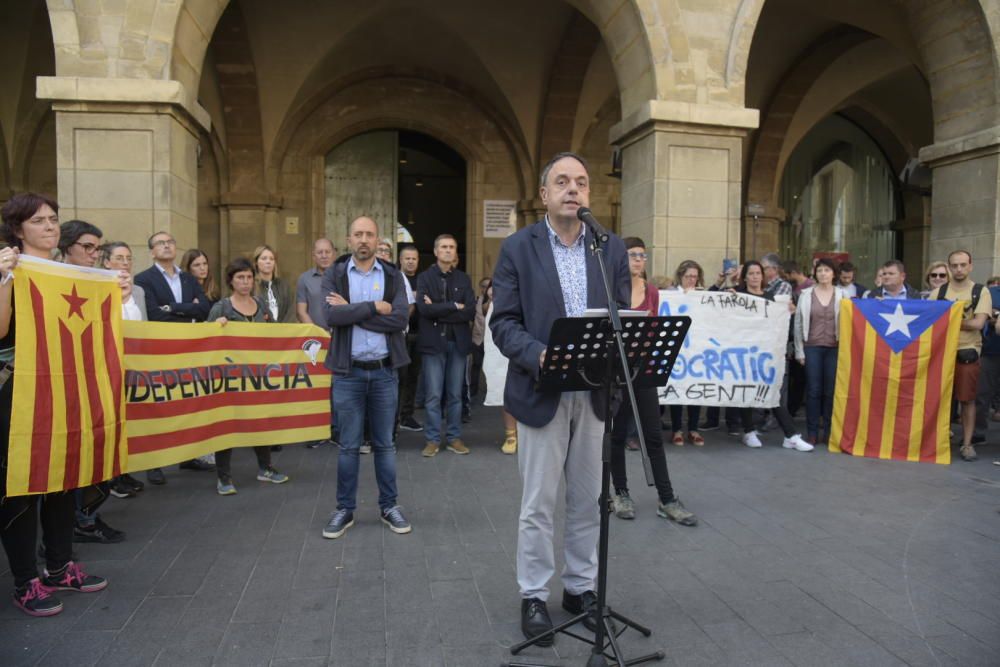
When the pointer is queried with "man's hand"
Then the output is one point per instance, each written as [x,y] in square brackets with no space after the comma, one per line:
[427,300]
[460,306]
[541,358]
[335,299]
[383,307]
[222,321]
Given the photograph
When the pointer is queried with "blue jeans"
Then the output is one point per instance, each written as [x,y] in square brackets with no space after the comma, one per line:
[362,394]
[443,376]
[821,375]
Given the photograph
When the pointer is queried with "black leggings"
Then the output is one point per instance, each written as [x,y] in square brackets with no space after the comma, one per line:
[648,406]
[225,457]
[20,515]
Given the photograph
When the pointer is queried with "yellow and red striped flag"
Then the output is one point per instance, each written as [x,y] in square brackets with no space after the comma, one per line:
[192,389]
[895,369]
[66,427]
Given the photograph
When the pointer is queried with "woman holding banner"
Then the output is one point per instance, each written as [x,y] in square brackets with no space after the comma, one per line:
[817,322]
[644,297]
[752,282]
[242,306]
[689,277]
[31,227]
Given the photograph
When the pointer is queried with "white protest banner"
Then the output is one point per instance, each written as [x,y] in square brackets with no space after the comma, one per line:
[734,353]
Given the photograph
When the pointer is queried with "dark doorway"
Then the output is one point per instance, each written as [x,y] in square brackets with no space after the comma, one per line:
[432,194]
[411,184]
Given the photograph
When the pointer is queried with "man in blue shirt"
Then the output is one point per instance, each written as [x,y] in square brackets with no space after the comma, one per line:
[367,311]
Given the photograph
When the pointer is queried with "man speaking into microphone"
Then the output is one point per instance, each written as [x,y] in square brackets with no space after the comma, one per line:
[546,271]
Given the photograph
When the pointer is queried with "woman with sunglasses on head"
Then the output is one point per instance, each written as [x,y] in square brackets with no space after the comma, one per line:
[935,276]
[645,297]
[31,228]
[242,306]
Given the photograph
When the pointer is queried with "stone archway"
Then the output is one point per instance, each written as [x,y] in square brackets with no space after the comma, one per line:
[622,26]
[497,168]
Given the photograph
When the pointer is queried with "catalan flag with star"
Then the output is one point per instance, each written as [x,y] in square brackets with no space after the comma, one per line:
[67,421]
[895,368]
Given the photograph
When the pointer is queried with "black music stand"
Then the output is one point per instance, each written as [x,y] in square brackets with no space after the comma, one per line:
[588,353]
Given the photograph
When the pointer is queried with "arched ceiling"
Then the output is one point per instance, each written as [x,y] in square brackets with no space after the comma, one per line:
[492,47]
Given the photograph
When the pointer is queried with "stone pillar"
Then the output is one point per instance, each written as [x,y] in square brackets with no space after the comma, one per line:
[681,182]
[965,200]
[127,157]
[251,220]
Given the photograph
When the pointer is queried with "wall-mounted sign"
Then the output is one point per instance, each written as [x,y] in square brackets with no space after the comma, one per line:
[499,218]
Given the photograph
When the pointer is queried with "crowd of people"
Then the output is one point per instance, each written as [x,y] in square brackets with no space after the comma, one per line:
[405,339]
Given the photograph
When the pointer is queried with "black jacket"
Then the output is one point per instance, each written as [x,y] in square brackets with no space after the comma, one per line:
[342,319]
[437,318]
[158,294]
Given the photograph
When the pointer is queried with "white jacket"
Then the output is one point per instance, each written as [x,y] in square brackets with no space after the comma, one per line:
[801,328]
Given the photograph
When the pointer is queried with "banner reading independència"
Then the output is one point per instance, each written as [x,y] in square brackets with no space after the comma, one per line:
[734,353]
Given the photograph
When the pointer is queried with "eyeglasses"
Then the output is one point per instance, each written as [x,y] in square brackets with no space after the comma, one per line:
[637,255]
[937,275]
[164,242]
[89,248]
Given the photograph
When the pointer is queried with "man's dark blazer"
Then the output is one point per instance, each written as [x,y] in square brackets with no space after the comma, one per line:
[527,299]
[158,293]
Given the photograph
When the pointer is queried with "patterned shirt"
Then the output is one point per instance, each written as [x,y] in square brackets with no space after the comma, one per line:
[778,287]
[571,264]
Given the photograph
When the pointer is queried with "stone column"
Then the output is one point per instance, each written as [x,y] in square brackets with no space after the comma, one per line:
[127,157]
[681,182]
[965,199]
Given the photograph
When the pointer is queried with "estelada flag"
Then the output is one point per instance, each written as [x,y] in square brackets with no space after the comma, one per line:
[192,389]
[66,428]
[895,369]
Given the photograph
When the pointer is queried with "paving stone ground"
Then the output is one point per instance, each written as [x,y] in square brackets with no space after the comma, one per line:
[799,559]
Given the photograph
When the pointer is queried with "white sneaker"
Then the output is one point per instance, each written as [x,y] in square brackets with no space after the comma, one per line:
[796,442]
[751,440]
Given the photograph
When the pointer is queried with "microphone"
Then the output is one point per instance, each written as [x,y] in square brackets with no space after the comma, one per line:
[583,214]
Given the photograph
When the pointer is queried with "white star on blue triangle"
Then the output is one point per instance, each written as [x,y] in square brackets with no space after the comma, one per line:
[899,323]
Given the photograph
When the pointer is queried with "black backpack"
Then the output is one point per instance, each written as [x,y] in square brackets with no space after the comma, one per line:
[977,291]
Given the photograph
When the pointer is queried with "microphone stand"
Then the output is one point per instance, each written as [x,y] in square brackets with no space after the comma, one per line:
[606,634]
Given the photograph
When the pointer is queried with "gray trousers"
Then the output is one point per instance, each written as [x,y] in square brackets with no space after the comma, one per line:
[570,444]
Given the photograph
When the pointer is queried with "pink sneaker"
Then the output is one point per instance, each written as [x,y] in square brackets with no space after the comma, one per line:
[74,579]
[35,600]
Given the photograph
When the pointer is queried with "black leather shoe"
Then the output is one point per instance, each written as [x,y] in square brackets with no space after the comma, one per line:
[585,601]
[535,620]
[156,476]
